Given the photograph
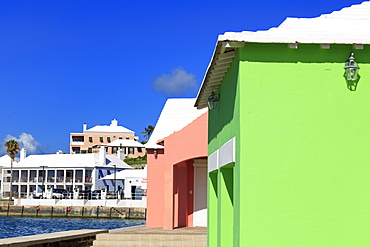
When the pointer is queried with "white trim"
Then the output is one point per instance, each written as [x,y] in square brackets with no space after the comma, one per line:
[213,161]
[358,46]
[227,153]
[325,46]
[222,156]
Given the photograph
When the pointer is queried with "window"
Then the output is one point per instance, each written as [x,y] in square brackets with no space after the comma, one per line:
[139,149]
[127,138]
[90,139]
[114,150]
[101,139]
[89,150]
[83,151]
[131,151]
[120,137]
[108,139]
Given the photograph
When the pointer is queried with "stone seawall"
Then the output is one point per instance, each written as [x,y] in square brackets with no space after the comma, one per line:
[75,211]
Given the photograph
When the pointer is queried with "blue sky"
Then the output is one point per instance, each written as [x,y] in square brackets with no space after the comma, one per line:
[65,63]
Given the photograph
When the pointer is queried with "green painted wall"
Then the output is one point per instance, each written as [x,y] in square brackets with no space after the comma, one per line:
[301,176]
[212,206]
[227,117]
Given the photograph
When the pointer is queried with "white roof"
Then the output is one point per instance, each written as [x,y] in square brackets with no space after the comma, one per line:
[175,115]
[5,160]
[112,128]
[69,160]
[125,143]
[349,25]
[134,173]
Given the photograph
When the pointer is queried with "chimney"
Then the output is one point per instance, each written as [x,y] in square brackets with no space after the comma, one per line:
[84,128]
[102,156]
[114,123]
[22,154]
[120,154]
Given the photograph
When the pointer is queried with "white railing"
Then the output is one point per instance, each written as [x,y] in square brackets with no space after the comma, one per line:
[70,195]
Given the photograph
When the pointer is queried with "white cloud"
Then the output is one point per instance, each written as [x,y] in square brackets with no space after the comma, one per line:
[177,83]
[24,140]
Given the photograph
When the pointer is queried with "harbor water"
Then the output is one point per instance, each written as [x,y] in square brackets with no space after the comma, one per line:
[22,226]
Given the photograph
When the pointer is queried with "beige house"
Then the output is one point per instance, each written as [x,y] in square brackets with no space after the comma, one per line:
[113,137]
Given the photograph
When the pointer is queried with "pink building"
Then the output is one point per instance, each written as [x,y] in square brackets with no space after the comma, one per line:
[113,137]
[177,167]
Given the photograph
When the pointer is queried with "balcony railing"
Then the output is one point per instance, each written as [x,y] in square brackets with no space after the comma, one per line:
[48,180]
[77,143]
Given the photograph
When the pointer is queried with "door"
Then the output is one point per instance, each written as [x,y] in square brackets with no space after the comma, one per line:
[200,193]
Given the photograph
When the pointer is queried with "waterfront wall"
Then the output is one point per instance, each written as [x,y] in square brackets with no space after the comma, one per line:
[81,238]
[83,203]
[75,211]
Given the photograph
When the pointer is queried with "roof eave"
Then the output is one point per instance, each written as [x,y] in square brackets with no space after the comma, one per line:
[222,57]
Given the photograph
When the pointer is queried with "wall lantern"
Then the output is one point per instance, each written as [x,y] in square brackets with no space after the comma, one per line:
[351,69]
[213,100]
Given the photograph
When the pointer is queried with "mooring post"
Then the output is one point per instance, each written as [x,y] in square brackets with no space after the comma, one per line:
[37,211]
[145,214]
[7,213]
[51,213]
[22,211]
[110,212]
[82,212]
[97,212]
[129,213]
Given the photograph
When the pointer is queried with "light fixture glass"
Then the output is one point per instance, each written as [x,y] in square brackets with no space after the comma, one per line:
[351,68]
[213,100]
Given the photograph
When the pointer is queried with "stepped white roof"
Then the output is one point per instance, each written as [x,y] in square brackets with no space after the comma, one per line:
[112,128]
[69,160]
[175,115]
[134,173]
[125,143]
[349,25]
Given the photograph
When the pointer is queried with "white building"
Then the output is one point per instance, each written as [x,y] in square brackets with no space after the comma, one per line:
[135,181]
[35,173]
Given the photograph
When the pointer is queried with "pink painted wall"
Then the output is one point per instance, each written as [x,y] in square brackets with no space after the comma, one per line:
[171,176]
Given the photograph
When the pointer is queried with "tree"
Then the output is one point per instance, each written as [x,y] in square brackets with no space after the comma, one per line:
[12,150]
[148,132]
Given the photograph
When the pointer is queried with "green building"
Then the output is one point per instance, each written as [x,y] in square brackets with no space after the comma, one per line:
[289,138]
